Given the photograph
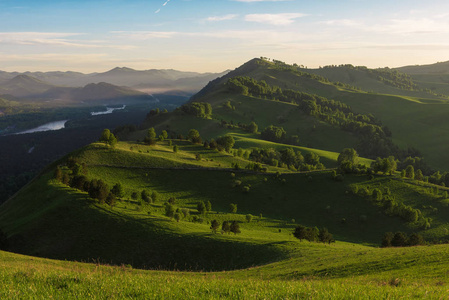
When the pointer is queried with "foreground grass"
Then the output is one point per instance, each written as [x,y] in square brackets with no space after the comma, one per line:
[24,277]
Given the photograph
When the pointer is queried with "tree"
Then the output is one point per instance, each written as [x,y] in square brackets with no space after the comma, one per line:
[214,226]
[198,156]
[98,189]
[386,240]
[134,195]
[201,207]
[348,155]
[154,196]
[226,142]
[58,173]
[164,134]
[169,210]
[110,199]
[410,172]
[419,175]
[194,136]
[325,236]
[117,190]
[175,148]
[252,127]
[112,140]
[233,208]
[273,133]
[145,196]
[416,240]
[177,217]
[208,206]
[150,138]
[225,227]
[300,232]
[249,218]
[105,136]
[399,239]
[235,227]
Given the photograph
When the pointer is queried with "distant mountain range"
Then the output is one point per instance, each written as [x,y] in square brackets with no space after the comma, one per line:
[148,80]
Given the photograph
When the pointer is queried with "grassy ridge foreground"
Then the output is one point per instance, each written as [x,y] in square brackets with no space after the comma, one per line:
[34,278]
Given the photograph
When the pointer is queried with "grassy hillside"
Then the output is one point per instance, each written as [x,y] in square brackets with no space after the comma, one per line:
[43,226]
[416,122]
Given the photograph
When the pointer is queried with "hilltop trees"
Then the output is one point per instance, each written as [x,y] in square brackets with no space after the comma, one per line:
[108,138]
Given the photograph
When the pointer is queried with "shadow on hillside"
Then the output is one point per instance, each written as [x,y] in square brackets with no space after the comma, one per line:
[79,229]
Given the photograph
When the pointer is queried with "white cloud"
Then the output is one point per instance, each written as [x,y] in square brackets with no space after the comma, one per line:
[274,19]
[221,18]
[145,35]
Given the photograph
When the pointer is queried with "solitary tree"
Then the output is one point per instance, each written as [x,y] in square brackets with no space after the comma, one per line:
[235,227]
[249,218]
[194,136]
[201,207]
[214,226]
[225,227]
[410,172]
[300,232]
[208,206]
[175,148]
[117,190]
[325,236]
[386,240]
[145,196]
[252,127]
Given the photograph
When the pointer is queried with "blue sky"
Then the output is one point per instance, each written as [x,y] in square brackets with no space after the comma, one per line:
[214,35]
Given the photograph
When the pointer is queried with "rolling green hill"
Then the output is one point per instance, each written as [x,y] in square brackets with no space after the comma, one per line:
[66,224]
[415,122]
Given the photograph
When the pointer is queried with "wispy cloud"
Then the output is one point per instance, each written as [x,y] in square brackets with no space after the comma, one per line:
[274,19]
[221,18]
[145,35]
[165,3]
[57,39]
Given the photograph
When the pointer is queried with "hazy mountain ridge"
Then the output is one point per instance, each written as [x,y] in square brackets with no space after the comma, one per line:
[164,79]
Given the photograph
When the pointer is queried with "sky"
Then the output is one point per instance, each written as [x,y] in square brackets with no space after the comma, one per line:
[216,35]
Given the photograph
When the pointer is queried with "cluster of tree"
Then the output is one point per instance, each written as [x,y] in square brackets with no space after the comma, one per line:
[177,213]
[251,127]
[124,130]
[204,207]
[108,138]
[313,234]
[197,109]
[150,138]
[222,143]
[391,207]
[226,227]
[287,158]
[374,139]
[400,239]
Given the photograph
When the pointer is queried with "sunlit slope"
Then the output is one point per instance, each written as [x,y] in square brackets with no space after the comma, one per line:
[52,220]
[417,122]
